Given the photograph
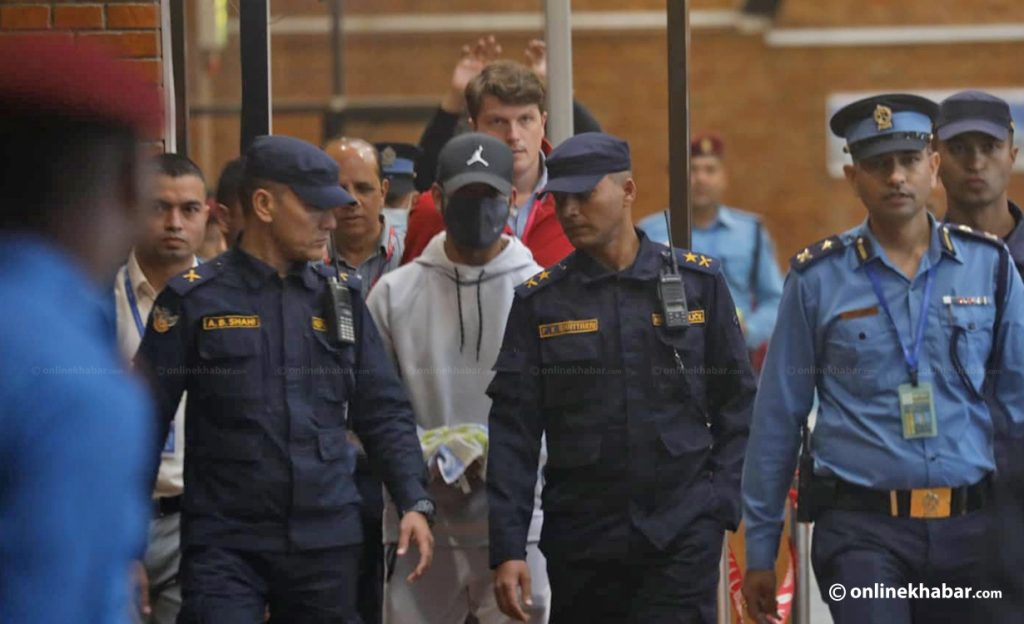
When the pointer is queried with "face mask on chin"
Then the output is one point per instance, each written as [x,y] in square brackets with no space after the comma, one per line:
[475,222]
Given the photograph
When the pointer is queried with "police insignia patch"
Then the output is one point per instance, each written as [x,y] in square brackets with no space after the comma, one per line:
[883,117]
[812,253]
[319,324]
[388,156]
[163,320]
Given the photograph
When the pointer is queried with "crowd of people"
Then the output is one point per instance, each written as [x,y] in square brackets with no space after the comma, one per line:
[454,382]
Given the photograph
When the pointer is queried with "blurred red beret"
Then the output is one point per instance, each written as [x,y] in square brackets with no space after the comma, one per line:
[56,76]
[707,144]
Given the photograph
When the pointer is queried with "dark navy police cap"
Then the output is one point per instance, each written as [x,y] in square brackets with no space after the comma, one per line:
[894,122]
[475,158]
[973,111]
[306,169]
[579,163]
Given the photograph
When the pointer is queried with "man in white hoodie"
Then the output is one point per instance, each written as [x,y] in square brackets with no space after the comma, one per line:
[442,318]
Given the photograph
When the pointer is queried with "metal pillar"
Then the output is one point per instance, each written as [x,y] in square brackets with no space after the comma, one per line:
[724,605]
[179,44]
[254,38]
[678,29]
[558,35]
[802,608]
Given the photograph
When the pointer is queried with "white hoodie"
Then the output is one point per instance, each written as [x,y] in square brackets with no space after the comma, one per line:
[443,324]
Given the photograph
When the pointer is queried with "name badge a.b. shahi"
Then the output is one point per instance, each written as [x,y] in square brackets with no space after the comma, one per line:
[565,328]
[232,321]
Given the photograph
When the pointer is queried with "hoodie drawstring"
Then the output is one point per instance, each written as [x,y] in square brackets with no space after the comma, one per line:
[479,312]
[480,315]
[458,299]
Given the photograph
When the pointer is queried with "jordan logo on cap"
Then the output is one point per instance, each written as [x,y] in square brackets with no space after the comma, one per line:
[477,157]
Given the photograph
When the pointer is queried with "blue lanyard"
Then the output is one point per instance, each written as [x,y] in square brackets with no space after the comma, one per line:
[133,303]
[911,356]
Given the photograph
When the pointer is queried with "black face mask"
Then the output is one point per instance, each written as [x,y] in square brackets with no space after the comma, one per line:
[475,222]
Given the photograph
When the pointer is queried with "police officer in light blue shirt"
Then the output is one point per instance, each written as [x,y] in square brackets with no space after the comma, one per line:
[737,238]
[898,324]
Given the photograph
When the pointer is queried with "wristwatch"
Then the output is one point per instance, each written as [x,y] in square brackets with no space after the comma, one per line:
[424,506]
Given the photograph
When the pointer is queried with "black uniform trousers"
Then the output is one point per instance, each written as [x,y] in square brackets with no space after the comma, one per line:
[229,586]
[863,549]
[677,585]
[371,566]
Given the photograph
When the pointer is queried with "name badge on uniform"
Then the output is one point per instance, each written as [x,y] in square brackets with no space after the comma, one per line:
[917,411]
[564,328]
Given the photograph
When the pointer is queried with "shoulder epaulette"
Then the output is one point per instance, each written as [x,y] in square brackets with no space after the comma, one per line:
[968,232]
[545,278]
[695,261]
[821,249]
[195,277]
[348,278]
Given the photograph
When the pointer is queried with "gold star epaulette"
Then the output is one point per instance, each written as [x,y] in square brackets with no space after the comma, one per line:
[817,251]
[695,261]
[542,279]
[348,278]
[196,276]
[967,232]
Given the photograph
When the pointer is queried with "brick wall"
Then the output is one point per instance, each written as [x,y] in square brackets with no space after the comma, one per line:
[767,101]
[130,29]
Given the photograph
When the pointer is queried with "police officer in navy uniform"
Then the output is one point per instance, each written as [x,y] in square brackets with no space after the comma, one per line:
[974,136]
[897,324]
[275,381]
[644,401]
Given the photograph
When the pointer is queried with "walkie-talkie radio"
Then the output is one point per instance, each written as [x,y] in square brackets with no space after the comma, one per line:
[339,303]
[671,293]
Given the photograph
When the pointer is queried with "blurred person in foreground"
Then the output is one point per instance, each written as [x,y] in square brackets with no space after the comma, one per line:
[75,428]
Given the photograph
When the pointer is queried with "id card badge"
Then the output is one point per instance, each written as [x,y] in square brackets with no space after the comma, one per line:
[917,411]
[169,442]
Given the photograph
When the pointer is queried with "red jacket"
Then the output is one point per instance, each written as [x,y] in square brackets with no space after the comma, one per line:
[543,234]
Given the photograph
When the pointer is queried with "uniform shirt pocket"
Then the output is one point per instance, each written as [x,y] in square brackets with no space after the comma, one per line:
[967,330]
[230,363]
[672,384]
[327,476]
[333,381]
[858,345]
[571,370]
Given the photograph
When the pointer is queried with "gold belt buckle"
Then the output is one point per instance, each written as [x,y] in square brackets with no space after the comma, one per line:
[930,502]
